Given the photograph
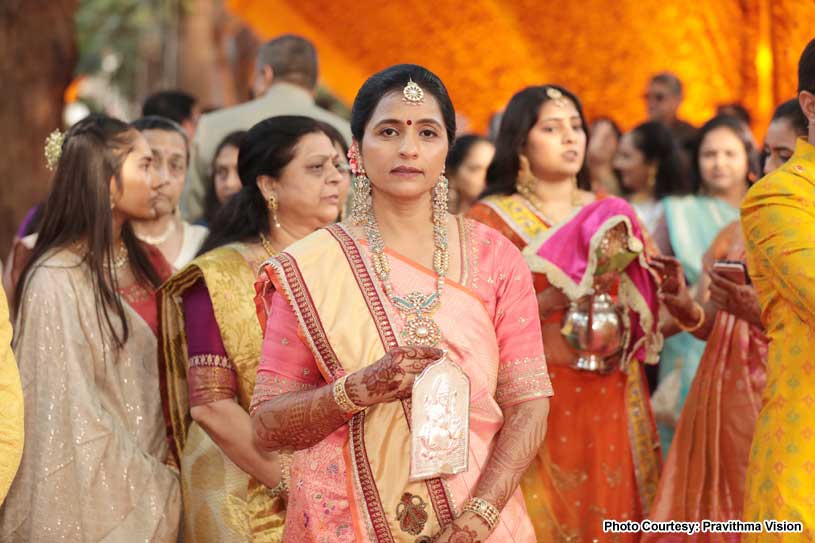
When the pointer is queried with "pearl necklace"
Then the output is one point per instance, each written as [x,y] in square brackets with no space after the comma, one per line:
[161,238]
[420,328]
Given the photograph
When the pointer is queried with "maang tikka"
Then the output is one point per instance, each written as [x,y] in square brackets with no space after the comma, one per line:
[412,93]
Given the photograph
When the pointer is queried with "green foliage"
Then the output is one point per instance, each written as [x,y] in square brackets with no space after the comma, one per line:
[130,30]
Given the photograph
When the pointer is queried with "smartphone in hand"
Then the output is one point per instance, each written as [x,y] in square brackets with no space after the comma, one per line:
[734,270]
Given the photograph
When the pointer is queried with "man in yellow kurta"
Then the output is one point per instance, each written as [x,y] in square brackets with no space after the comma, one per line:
[778,219]
[11,405]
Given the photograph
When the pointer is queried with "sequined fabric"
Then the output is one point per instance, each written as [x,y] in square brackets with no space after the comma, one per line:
[92,466]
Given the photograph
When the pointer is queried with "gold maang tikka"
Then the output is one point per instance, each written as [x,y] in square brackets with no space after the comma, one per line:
[412,93]
[556,96]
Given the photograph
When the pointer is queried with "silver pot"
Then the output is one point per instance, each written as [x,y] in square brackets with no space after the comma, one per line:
[593,326]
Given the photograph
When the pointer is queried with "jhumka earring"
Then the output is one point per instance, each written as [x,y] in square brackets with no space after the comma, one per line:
[361,202]
[441,195]
[273,205]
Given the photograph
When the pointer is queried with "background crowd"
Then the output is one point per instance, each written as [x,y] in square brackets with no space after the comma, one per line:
[145,371]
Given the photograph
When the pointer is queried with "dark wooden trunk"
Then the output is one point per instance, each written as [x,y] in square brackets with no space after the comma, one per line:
[38,46]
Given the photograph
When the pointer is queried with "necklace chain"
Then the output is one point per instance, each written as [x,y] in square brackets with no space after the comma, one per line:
[161,238]
[420,329]
[267,244]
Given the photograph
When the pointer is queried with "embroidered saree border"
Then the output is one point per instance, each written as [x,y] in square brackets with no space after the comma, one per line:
[518,216]
[439,496]
[302,304]
[642,436]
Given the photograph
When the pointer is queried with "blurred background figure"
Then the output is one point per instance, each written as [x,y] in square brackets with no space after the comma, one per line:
[704,475]
[724,163]
[177,239]
[788,124]
[650,166]
[177,106]
[466,168]
[284,83]
[604,137]
[662,100]
[738,111]
[223,178]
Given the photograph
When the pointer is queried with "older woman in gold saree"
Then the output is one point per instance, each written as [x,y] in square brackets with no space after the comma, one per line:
[353,313]
[212,340]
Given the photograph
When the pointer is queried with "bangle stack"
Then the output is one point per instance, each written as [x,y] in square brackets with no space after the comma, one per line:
[343,401]
[484,509]
[698,324]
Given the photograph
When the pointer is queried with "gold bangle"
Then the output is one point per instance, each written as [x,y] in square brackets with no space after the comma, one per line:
[484,509]
[343,401]
[698,324]
[282,488]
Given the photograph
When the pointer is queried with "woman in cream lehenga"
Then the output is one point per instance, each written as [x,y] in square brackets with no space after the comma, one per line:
[93,465]
[354,312]
[211,338]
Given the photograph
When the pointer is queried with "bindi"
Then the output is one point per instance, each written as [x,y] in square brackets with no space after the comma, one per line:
[409,122]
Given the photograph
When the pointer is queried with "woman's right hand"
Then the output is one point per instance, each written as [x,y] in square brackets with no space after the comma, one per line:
[673,290]
[391,377]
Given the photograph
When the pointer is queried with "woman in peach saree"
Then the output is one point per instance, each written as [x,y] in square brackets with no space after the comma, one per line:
[340,352]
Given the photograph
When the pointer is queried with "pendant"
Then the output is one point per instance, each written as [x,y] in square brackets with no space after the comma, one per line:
[440,421]
[421,330]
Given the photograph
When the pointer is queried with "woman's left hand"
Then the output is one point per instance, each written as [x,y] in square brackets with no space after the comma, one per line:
[733,298]
[468,528]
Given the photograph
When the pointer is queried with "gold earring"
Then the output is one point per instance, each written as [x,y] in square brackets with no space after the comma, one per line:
[652,177]
[273,205]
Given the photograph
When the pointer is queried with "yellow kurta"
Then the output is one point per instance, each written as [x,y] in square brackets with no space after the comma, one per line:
[11,405]
[778,219]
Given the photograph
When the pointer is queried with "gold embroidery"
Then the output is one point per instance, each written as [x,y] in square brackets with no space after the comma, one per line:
[522,379]
[568,480]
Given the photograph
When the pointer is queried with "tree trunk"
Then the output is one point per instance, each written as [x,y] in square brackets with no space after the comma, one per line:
[37,39]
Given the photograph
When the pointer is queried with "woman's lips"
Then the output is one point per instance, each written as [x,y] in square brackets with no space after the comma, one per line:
[406,171]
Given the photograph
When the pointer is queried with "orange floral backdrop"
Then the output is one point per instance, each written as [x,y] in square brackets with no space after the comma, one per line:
[724,50]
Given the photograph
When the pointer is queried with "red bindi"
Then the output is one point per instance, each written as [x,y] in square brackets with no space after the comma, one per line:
[409,122]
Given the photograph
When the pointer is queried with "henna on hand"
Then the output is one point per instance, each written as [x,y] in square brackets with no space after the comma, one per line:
[462,535]
[391,377]
[516,446]
[297,420]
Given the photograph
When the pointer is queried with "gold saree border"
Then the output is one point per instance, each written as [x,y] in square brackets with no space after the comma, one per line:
[518,215]
[442,504]
[299,298]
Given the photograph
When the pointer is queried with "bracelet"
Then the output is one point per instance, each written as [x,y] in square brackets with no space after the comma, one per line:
[484,509]
[282,488]
[698,324]
[343,401]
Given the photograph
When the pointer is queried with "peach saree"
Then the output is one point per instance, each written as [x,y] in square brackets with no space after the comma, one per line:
[325,316]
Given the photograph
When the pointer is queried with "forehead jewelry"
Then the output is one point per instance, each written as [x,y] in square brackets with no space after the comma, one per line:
[556,96]
[412,93]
